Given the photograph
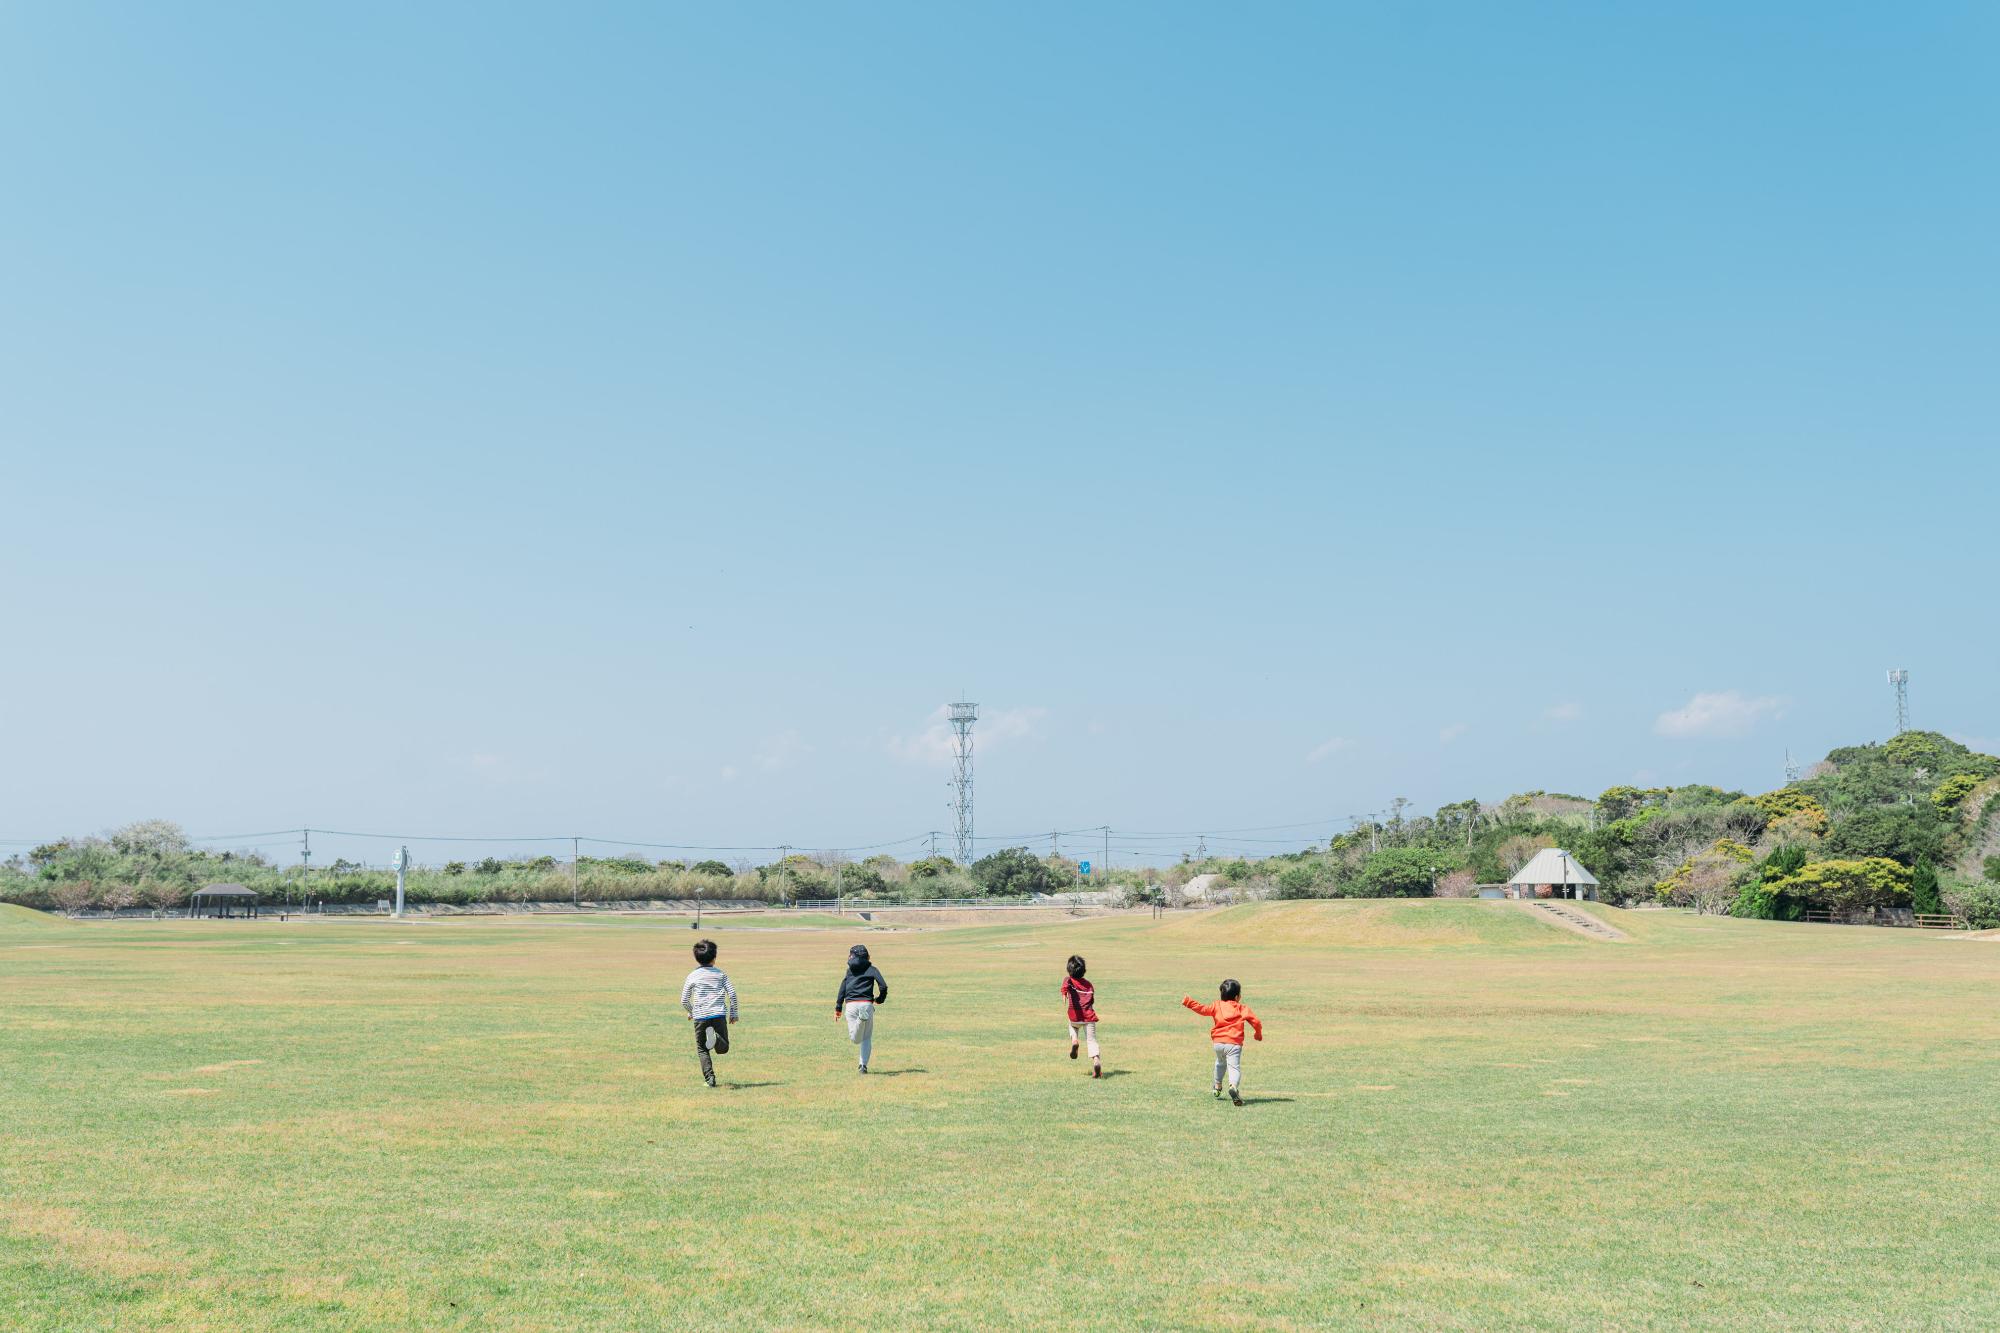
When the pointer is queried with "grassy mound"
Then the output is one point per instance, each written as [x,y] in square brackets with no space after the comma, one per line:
[15,917]
[1380,924]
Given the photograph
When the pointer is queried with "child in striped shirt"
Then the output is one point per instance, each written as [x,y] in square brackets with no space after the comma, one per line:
[710,1002]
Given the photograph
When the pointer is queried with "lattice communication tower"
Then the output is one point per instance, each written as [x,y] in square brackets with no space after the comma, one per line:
[1901,680]
[963,715]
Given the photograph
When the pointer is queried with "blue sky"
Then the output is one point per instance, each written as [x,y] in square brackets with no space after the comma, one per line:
[637,420]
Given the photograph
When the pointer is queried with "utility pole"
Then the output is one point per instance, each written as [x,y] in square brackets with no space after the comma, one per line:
[402,863]
[305,867]
[1107,849]
[575,855]
[1055,845]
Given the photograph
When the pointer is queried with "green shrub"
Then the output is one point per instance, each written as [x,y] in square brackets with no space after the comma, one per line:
[1978,902]
[1306,880]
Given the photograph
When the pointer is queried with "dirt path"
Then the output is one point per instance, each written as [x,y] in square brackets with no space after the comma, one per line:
[1575,920]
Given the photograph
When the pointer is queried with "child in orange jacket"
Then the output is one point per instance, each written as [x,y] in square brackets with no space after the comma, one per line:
[1230,1014]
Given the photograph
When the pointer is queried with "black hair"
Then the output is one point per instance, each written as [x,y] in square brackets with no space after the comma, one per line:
[1075,966]
[1231,989]
[704,952]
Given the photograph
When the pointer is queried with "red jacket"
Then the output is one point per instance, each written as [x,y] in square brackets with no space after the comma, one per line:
[1230,1016]
[1081,999]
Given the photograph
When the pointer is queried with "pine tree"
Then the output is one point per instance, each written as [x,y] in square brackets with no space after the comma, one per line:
[1924,897]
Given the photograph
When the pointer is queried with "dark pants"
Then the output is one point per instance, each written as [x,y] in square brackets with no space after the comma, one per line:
[702,1027]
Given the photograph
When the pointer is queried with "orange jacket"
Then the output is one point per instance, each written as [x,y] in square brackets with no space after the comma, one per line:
[1230,1016]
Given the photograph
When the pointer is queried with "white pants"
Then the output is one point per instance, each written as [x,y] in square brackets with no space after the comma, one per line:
[1230,1058]
[861,1026]
[1089,1036]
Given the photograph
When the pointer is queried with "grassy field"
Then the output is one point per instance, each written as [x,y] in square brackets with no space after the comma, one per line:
[1461,1119]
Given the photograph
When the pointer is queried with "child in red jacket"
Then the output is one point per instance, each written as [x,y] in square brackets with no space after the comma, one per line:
[1080,1006]
[1230,1014]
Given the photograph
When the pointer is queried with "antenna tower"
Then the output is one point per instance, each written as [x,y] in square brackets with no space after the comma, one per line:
[1900,678]
[963,715]
[1791,767]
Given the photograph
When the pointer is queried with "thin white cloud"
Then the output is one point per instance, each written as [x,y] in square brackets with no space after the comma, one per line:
[729,773]
[1718,713]
[935,743]
[1448,734]
[1563,712]
[1326,747]
[781,751]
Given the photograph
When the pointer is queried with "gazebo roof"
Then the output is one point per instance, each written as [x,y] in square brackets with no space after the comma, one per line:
[225,890]
[1553,865]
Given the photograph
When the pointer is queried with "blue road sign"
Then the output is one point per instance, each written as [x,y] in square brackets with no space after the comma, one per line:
[1084,866]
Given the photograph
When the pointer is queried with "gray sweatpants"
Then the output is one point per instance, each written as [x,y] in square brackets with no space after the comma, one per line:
[1228,1057]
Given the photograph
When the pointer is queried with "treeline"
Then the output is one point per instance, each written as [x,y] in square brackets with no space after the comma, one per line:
[1910,823]
[1913,822]
[152,865]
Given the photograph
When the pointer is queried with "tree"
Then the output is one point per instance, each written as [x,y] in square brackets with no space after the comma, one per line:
[1905,833]
[162,895]
[1840,886]
[1011,872]
[73,895]
[149,837]
[716,868]
[1456,884]
[1403,872]
[1948,795]
[1924,897]
[859,880]
[1709,880]
[932,867]
[454,867]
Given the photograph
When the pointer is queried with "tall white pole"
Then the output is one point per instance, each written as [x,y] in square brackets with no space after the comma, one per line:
[402,862]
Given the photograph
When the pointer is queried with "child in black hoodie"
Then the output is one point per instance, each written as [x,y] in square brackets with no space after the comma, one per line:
[861,989]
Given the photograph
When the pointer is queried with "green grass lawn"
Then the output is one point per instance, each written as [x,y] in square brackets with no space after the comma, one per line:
[1462,1118]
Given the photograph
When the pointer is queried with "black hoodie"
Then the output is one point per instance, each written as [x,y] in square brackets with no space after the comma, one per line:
[861,982]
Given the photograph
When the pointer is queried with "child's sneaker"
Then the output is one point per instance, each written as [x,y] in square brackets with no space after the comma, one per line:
[1218,1092]
[1096,1070]
[708,1079]
[1235,1096]
[862,1069]
[1072,1050]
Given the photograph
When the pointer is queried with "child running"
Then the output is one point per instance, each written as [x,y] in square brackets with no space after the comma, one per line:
[861,989]
[710,1002]
[1230,1014]
[1080,997]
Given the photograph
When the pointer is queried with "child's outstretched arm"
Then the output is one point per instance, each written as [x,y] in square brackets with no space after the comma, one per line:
[1256,1023]
[686,987]
[1205,1010]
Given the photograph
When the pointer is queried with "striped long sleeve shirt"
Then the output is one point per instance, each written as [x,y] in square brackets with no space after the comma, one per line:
[707,994]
